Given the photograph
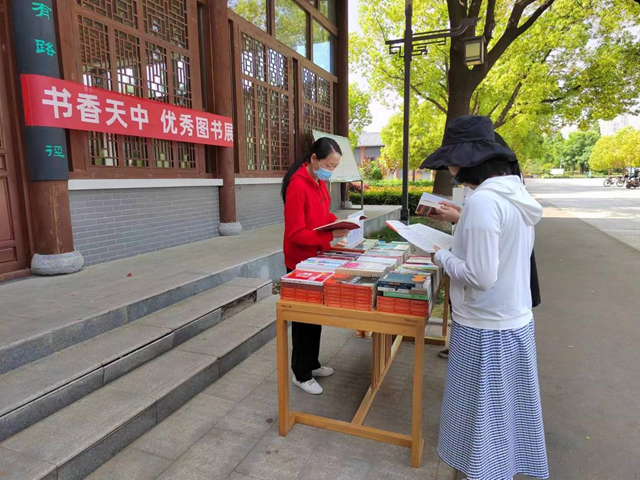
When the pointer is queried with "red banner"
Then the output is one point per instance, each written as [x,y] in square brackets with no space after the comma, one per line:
[51,102]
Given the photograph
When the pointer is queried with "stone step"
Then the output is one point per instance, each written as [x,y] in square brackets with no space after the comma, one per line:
[76,440]
[98,312]
[30,393]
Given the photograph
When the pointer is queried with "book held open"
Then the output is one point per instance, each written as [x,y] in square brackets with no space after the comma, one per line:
[421,236]
[429,203]
[349,224]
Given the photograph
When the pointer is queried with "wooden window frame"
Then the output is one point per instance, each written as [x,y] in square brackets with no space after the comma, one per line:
[239,27]
[69,41]
[296,121]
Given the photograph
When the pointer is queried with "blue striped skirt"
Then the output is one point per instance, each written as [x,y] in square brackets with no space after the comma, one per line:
[491,426]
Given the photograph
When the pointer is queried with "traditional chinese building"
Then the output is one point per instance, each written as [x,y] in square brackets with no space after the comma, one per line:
[194,110]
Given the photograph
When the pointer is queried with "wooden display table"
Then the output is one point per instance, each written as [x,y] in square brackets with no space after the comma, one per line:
[389,331]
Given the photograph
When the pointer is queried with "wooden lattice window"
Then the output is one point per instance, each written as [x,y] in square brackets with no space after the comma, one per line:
[143,48]
[266,107]
[316,103]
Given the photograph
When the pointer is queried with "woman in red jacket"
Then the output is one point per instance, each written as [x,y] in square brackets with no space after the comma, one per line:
[307,206]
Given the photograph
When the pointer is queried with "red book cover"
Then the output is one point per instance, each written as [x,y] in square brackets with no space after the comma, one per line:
[341,225]
[307,278]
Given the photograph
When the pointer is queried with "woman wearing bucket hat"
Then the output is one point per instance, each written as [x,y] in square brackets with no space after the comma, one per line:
[491,425]
[451,213]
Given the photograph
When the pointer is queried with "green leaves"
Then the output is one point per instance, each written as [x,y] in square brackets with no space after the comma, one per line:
[359,113]
[616,152]
[425,135]
[577,63]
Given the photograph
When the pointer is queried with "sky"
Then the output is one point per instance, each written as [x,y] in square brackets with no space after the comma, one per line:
[379,112]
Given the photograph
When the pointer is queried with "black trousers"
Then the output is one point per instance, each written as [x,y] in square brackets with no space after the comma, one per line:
[306,349]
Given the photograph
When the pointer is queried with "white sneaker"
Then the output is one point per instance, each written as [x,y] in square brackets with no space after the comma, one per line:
[322,372]
[310,386]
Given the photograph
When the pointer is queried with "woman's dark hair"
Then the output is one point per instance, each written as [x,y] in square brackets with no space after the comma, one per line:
[322,148]
[496,167]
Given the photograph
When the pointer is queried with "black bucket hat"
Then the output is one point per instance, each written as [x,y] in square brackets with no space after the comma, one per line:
[468,142]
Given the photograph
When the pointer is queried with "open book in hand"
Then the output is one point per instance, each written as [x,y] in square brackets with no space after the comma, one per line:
[351,224]
[429,203]
[421,236]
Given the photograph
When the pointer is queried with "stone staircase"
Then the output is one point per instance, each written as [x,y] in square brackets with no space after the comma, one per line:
[65,412]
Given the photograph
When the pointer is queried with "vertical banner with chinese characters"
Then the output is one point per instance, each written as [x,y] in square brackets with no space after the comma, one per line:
[37,53]
[53,102]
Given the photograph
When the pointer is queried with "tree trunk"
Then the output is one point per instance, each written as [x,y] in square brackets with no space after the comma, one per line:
[413,174]
[458,106]
[460,92]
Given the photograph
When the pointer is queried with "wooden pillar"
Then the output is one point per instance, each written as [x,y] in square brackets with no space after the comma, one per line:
[34,34]
[342,70]
[222,87]
[51,217]
[342,67]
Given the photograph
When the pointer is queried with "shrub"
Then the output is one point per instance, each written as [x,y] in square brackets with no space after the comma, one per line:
[389,196]
[376,174]
[398,183]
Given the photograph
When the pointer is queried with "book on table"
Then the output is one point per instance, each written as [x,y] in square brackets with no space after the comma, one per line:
[364,269]
[385,260]
[349,224]
[308,278]
[419,260]
[320,264]
[415,284]
[356,293]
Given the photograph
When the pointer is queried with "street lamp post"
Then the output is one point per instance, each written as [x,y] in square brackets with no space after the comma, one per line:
[409,47]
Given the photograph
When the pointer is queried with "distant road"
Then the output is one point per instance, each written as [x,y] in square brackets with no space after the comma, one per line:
[613,210]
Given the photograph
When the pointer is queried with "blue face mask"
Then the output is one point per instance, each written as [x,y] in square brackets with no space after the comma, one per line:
[323,174]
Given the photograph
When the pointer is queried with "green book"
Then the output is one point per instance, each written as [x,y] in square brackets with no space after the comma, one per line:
[408,296]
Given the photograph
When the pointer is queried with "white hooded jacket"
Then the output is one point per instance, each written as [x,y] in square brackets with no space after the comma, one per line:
[489,263]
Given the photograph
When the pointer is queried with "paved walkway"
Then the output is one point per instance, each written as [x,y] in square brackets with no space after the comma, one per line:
[230,431]
[588,333]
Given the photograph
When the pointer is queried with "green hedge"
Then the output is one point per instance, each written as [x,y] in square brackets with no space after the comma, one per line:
[386,197]
[398,183]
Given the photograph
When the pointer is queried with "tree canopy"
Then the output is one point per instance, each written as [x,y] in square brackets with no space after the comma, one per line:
[549,63]
[359,113]
[422,141]
[616,152]
[577,150]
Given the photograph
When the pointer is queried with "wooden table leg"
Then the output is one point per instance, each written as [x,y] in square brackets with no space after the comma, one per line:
[445,311]
[375,340]
[283,374]
[416,414]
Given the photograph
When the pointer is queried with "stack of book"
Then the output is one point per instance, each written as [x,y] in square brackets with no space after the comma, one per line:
[304,286]
[341,255]
[362,247]
[398,250]
[373,275]
[364,269]
[356,293]
[425,266]
[390,261]
[321,264]
[408,294]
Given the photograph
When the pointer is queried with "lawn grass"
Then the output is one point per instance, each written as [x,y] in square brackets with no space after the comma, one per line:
[388,235]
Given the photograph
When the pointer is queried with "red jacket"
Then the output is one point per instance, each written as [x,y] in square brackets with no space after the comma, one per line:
[306,207]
